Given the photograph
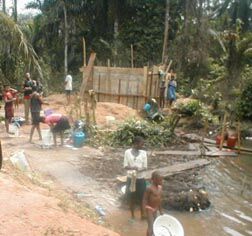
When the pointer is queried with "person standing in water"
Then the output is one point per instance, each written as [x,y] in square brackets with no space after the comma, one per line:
[135,162]
[152,200]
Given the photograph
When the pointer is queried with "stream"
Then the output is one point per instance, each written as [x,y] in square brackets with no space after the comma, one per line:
[228,181]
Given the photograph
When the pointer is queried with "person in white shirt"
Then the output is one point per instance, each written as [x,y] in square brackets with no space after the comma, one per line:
[68,87]
[135,162]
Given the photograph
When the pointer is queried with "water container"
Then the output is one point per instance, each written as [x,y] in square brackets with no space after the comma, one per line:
[218,140]
[147,107]
[78,139]
[47,137]
[167,225]
[48,112]
[231,141]
[110,120]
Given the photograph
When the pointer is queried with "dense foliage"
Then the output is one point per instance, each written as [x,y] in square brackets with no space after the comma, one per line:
[209,42]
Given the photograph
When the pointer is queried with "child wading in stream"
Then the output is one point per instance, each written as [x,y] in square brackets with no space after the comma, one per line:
[152,200]
[135,161]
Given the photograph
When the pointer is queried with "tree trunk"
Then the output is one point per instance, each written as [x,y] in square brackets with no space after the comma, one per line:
[65,39]
[15,11]
[4,7]
[166,32]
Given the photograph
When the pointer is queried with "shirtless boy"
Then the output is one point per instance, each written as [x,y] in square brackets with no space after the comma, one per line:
[152,200]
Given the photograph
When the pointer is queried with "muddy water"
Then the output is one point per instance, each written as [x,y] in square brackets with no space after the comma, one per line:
[229,184]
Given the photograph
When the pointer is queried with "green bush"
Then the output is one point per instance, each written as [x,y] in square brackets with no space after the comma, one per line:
[244,104]
[155,135]
[190,108]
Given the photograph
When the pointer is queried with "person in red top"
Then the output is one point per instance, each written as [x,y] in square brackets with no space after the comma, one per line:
[9,98]
[58,124]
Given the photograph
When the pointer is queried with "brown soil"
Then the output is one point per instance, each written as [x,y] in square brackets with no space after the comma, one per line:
[120,112]
[30,210]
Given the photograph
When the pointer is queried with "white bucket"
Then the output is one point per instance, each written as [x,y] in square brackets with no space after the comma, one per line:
[47,138]
[14,129]
[110,120]
[167,225]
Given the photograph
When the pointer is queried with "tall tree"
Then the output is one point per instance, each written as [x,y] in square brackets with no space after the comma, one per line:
[166,31]
[15,12]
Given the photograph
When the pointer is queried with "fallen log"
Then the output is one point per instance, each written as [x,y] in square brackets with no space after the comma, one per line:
[172,170]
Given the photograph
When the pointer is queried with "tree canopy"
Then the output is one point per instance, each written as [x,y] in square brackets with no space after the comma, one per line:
[207,40]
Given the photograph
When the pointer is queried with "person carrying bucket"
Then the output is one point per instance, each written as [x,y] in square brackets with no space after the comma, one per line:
[135,161]
[58,124]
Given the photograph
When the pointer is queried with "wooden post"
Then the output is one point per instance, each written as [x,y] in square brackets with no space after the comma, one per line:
[168,67]
[132,56]
[87,76]
[84,52]
[119,91]
[155,89]
[99,87]
[150,88]
[223,129]
[239,136]
[127,92]
[137,95]
[86,112]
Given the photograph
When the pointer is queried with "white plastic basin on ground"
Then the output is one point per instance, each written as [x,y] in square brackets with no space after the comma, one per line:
[166,225]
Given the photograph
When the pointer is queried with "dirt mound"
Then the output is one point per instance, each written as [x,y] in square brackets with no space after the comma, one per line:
[57,102]
[119,111]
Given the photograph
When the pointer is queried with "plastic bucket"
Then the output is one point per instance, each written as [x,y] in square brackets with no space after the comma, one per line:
[48,112]
[78,139]
[110,120]
[46,137]
[218,140]
[147,107]
[167,225]
[231,141]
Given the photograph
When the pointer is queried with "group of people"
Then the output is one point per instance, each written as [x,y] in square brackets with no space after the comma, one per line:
[168,86]
[32,99]
[148,198]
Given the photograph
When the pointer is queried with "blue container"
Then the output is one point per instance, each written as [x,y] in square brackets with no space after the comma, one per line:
[78,139]
[147,107]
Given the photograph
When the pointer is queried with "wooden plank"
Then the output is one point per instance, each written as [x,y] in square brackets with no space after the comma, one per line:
[220,153]
[88,73]
[172,170]
[177,152]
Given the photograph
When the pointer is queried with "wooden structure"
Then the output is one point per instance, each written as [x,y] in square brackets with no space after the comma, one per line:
[173,169]
[128,86]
